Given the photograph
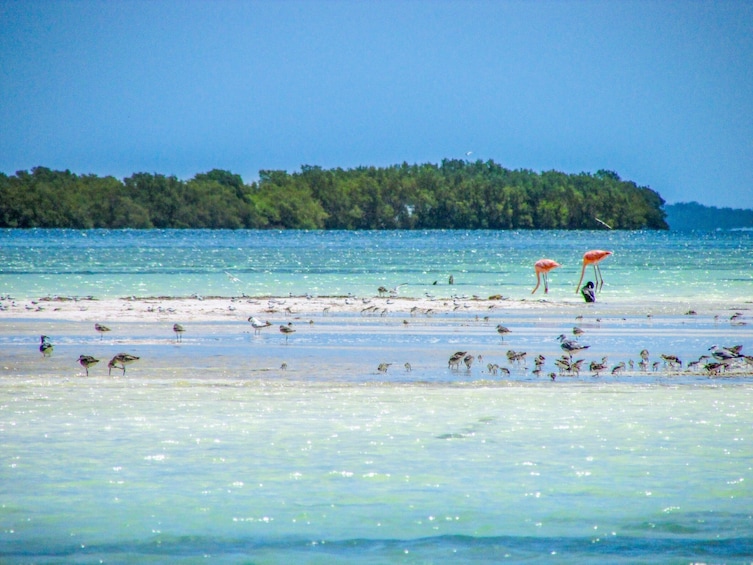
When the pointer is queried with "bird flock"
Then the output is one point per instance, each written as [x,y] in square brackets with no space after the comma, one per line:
[577,357]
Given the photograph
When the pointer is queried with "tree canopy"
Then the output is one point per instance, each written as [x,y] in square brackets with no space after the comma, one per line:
[455,194]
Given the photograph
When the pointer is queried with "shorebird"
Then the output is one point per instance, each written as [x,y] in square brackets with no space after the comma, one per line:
[570,346]
[502,330]
[45,347]
[101,330]
[516,356]
[286,330]
[120,361]
[593,257]
[468,360]
[598,367]
[408,367]
[87,361]
[456,358]
[382,368]
[178,329]
[258,325]
[542,268]
[671,360]
[725,354]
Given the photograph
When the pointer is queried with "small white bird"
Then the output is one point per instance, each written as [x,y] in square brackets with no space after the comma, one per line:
[258,325]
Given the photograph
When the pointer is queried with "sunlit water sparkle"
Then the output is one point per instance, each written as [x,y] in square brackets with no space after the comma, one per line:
[208,451]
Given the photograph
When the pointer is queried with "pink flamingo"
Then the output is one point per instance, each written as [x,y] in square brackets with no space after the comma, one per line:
[593,257]
[542,267]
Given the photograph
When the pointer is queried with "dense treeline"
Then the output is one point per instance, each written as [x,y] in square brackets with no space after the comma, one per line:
[453,195]
[695,216]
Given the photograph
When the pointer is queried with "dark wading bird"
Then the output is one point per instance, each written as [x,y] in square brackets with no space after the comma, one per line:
[593,257]
[101,330]
[45,347]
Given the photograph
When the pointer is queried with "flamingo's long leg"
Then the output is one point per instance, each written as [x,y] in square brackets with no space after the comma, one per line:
[546,284]
[599,277]
[582,272]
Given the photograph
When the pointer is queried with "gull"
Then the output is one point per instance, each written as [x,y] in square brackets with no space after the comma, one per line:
[569,345]
[232,277]
[258,325]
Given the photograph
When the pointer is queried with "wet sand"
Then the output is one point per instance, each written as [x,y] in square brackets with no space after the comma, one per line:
[346,338]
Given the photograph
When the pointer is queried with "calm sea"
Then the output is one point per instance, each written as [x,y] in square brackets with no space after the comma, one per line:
[207,452]
[646,265]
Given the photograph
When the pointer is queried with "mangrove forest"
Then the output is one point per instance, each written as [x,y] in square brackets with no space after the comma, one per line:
[454,194]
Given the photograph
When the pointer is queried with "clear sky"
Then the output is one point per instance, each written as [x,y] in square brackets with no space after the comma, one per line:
[660,92]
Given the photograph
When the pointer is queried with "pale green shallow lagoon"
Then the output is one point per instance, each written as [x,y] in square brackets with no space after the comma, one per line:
[130,469]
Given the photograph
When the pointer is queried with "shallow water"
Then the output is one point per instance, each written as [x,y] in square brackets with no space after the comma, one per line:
[209,450]
[263,471]
[647,266]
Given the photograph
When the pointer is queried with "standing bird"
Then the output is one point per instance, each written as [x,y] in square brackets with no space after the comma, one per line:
[570,346]
[178,329]
[287,330]
[45,347]
[258,325]
[120,361]
[502,330]
[87,361]
[101,330]
[456,358]
[593,257]
[542,268]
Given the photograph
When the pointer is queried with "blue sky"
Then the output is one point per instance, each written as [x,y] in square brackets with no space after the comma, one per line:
[659,91]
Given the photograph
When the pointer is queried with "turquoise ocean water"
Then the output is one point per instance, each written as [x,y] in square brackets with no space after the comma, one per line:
[646,266]
[206,452]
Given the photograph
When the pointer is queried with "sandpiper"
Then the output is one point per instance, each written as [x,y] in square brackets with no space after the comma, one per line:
[286,330]
[120,361]
[101,330]
[178,329]
[87,361]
